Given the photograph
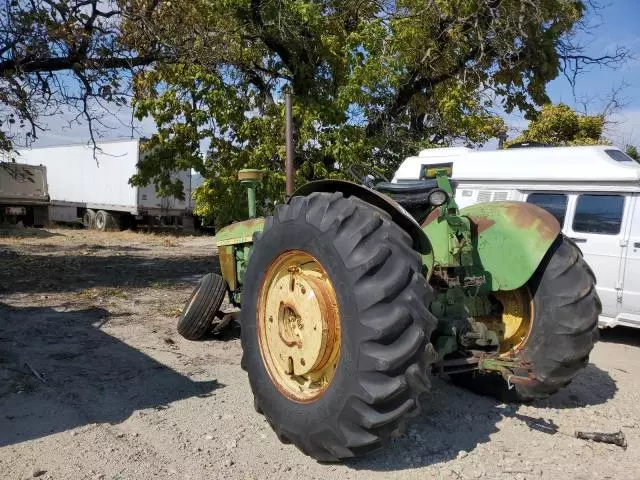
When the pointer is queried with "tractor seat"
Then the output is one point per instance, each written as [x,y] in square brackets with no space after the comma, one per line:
[418,187]
[413,196]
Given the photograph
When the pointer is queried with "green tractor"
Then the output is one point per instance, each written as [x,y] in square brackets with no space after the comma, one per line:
[353,294]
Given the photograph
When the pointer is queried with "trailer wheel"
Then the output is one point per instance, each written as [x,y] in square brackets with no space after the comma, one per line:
[561,312]
[102,220]
[105,221]
[89,218]
[202,306]
[335,326]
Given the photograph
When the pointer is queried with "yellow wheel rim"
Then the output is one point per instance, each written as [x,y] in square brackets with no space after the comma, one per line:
[513,325]
[299,326]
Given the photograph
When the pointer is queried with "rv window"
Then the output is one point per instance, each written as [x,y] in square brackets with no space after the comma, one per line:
[618,156]
[554,203]
[599,214]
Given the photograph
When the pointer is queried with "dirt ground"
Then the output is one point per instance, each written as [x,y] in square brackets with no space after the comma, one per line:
[95,383]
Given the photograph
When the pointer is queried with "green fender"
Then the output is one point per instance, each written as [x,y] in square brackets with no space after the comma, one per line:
[512,240]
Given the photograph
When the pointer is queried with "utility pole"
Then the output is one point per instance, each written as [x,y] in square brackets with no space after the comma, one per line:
[288,110]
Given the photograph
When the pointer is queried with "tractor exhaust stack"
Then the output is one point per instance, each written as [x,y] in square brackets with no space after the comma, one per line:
[288,109]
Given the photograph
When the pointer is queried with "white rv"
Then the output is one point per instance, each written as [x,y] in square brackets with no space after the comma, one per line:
[594,192]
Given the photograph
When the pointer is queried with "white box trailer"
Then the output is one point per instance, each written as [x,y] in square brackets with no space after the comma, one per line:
[594,193]
[96,188]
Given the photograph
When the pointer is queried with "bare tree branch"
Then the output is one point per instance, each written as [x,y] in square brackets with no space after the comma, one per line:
[71,63]
[70,55]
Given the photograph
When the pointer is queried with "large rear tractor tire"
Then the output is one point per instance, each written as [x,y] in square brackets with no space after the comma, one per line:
[202,306]
[564,310]
[335,326]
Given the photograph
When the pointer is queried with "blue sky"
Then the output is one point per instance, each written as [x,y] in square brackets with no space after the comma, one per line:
[617,25]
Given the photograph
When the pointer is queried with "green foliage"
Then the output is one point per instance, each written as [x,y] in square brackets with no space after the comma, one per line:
[373,82]
[632,151]
[561,125]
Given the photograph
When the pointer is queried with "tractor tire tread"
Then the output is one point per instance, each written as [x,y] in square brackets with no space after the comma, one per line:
[564,331]
[196,321]
[386,273]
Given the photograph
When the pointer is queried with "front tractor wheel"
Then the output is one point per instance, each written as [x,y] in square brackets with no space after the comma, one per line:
[202,306]
[551,323]
[334,326]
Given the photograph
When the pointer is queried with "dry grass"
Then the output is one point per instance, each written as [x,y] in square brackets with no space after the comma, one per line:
[173,312]
[106,292]
[162,283]
[169,242]
[57,236]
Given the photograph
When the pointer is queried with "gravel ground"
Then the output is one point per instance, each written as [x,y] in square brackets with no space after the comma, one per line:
[95,383]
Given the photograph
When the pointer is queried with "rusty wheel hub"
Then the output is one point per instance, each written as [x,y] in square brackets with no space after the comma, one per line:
[299,326]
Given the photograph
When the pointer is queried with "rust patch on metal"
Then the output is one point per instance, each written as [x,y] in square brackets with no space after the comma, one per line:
[228,266]
[239,232]
[526,215]
[246,225]
[251,223]
[519,380]
[432,217]
[483,223]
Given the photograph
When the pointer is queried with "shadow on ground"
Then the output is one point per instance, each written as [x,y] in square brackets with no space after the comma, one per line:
[454,419]
[592,386]
[59,371]
[621,335]
[32,273]
[230,333]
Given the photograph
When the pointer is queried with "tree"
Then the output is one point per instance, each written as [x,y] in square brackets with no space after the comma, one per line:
[373,81]
[632,151]
[61,56]
[561,125]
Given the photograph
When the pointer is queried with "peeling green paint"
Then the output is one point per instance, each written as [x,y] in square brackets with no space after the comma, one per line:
[512,239]
[239,232]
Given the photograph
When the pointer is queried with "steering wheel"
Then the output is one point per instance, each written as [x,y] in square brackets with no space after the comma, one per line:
[366,175]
